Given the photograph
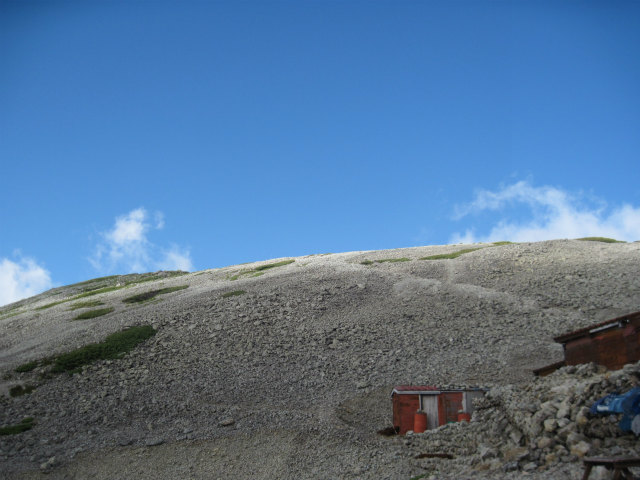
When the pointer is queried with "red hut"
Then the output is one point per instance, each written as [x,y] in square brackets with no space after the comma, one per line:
[440,405]
[612,343]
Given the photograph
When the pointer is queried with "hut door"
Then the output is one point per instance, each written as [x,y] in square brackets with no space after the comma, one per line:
[448,406]
[404,410]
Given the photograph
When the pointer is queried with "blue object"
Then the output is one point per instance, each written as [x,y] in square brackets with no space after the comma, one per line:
[628,404]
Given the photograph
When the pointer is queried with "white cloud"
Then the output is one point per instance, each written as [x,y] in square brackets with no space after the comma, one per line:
[175,259]
[22,279]
[552,214]
[130,228]
[126,247]
[159,218]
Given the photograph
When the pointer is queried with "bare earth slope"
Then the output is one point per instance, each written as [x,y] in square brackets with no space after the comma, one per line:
[292,378]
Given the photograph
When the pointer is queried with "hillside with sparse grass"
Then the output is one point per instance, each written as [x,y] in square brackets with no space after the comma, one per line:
[284,368]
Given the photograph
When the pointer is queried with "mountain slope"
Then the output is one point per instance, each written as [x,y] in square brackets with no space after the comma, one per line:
[291,378]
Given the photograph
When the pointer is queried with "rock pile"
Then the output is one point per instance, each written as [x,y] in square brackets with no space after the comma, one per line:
[543,427]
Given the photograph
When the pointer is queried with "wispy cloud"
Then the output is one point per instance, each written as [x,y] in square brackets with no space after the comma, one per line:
[21,278]
[126,247]
[551,213]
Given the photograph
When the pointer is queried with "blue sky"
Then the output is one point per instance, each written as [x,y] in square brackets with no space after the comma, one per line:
[136,136]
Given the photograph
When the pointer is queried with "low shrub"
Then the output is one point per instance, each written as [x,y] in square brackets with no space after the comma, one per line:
[27,367]
[90,303]
[233,294]
[114,346]
[385,260]
[450,255]
[49,305]
[19,390]
[256,272]
[23,426]
[143,297]
[98,291]
[94,313]
[601,239]
[273,265]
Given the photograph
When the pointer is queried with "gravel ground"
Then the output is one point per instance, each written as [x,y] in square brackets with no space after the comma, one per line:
[292,379]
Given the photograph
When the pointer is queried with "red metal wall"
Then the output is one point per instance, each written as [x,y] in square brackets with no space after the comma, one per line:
[404,409]
[405,406]
[580,350]
[612,348]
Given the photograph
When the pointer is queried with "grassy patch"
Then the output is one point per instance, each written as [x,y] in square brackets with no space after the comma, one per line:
[96,286]
[273,265]
[143,297]
[132,279]
[601,239]
[114,346]
[246,273]
[9,315]
[95,280]
[88,304]
[19,390]
[154,277]
[385,260]
[49,305]
[94,313]
[256,272]
[23,426]
[450,255]
[503,243]
[233,294]
[27,367]
[98,291]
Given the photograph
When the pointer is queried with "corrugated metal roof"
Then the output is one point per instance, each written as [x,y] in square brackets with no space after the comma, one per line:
[430,389]
[598,327]
[414,389]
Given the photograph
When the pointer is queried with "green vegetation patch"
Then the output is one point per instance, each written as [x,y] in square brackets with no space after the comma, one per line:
[503,243]
[132,279]
[450,255]
[97,286]
[88,304]
[246,273]
[385,260]
[233,294]
[94,313]
[601,239]
[157,276]
[143,297]
[9,314]
[49,305]
[114,346]
[19,390]
[273,265]
[27,367]
[256,272]
[98,291]
[23,426]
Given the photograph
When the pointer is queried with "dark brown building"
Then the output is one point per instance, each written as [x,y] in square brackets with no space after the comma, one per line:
[612,343]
